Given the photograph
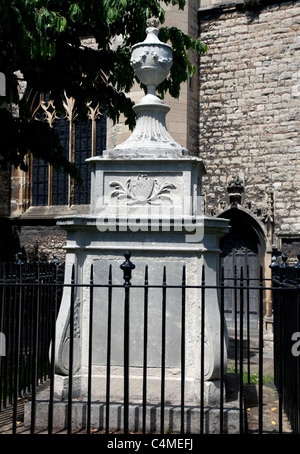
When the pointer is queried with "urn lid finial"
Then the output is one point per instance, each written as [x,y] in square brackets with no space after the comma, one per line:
[152,22]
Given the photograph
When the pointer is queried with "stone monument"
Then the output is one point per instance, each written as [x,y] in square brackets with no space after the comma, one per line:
[145,198]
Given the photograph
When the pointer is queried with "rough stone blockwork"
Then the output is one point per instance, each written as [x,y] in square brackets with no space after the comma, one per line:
[249,107]
[41,242]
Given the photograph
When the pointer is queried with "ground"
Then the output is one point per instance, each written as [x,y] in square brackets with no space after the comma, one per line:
[270,407]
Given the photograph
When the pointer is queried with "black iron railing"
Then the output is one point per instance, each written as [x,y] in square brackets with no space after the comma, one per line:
[286,308]
[30,300]
[26,324]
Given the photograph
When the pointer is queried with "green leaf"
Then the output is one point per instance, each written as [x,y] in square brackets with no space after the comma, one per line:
[75,12]
[39,22]
[111,15]
[61,24]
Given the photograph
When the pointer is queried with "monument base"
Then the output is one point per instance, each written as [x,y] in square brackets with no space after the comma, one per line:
[172,389]
[172,414]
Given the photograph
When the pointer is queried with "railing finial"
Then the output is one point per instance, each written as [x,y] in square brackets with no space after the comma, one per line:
[54,261]
[274,263]
[19,260]
[298,264]
[127,268]
[284,260]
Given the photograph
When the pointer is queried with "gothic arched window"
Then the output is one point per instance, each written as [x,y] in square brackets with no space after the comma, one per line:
[81,141]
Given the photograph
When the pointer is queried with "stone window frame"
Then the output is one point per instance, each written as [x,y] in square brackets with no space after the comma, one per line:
[29,210]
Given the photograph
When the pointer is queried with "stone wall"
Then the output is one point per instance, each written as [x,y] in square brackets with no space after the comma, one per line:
[249,108]
[6,239]
[4,192]
[39,242]
[182,118]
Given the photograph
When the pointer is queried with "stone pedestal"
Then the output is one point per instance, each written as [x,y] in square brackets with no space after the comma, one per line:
[145,198]
[152,208]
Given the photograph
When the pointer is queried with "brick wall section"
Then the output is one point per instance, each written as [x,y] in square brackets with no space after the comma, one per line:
[249,107]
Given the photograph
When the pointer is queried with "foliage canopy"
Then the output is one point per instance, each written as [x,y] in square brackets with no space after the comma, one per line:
[42,39]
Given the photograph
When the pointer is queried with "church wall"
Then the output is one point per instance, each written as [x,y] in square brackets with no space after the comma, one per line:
[249,119]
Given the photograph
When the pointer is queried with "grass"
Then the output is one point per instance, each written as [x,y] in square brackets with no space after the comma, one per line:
[251,378]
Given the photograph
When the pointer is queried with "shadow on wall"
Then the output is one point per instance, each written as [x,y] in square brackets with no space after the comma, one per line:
[9,241]
[36,243]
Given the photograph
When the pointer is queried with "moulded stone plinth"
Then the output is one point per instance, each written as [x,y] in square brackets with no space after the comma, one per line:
[212,416]
[172,388]
[157,249]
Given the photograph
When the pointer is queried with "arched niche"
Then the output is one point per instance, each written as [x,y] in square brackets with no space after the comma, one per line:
[243,251]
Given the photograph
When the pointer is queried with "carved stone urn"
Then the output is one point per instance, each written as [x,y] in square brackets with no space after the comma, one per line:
[151,59]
